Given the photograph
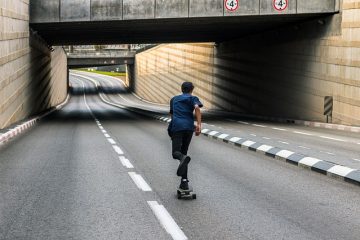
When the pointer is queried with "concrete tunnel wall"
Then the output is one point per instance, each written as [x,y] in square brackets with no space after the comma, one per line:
[281,73]
[32,78]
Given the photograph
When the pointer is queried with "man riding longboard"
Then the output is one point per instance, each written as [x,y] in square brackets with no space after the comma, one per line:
[181,128]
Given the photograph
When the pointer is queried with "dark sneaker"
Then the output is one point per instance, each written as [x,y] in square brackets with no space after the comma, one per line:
[184,184]
[182,166]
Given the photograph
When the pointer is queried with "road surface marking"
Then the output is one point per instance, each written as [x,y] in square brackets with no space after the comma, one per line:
[304,147]
[125,162]
[246,123]
[303,133]
[111,141]
[257,125]
[254,135]
[335,139]
[118,150]
[355,159]
[279,129]
[140,182]
[284,142]
[101,127]
[107,135]
[166,221]
[358,143]
[266,138]
[329,153]
[103,131]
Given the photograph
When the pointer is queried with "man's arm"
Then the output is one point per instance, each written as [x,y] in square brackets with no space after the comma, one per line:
[198,120]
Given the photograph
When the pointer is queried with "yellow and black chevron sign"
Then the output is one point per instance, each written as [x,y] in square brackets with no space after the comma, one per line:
[328,106]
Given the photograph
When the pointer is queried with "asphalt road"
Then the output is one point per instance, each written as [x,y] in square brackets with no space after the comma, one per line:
[327,144]
[68,178]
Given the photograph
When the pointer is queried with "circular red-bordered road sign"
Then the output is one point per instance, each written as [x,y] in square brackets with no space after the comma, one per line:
[280,5]
[231,5]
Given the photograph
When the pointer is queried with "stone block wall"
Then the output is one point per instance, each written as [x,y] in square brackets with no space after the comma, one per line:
[32,78]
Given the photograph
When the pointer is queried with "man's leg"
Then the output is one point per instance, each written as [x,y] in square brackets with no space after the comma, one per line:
[186,139]
[177,145]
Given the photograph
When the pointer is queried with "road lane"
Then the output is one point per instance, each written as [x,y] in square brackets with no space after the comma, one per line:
[241,195]
[62,180]
[327,144]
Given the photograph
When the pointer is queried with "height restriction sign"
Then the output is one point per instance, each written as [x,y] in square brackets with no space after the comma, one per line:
[280,5]
[231,5]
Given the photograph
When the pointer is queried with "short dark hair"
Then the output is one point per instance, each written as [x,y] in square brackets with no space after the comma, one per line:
[187,87]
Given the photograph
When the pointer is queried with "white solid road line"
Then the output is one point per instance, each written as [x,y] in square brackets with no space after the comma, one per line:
[335,139]
[118,150]
[140,182]
[125,162]
[111,141]
[167,221]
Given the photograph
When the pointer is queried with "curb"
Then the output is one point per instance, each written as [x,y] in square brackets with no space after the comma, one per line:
[320,166]
[328,126]
[19,129]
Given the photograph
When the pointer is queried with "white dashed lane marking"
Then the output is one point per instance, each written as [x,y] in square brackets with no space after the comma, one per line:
[167,221]
[284,142]
[355,159]
[257,125]
[246,123]
[254,135]
[304,147]
[111,141]
[279,129]
[107,135]
[125,162]
[303,133]
[140,182]
[266,138]
[118,150]
[329,153]
[335,139]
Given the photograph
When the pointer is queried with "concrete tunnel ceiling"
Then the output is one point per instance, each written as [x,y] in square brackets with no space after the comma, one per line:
[76,22]
[162,31]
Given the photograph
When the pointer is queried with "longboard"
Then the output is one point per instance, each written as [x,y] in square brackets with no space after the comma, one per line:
[186,194]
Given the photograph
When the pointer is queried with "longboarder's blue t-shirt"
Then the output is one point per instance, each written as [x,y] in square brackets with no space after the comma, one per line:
[182,108]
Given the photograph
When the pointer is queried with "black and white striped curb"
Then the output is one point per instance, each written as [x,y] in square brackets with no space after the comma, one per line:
[320,166]
[328,126]
[12,133]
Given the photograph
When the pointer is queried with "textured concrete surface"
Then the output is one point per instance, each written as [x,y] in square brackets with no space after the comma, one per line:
[32,78]
[85,10]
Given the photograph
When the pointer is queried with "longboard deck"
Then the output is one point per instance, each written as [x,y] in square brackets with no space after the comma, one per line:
[186,194]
